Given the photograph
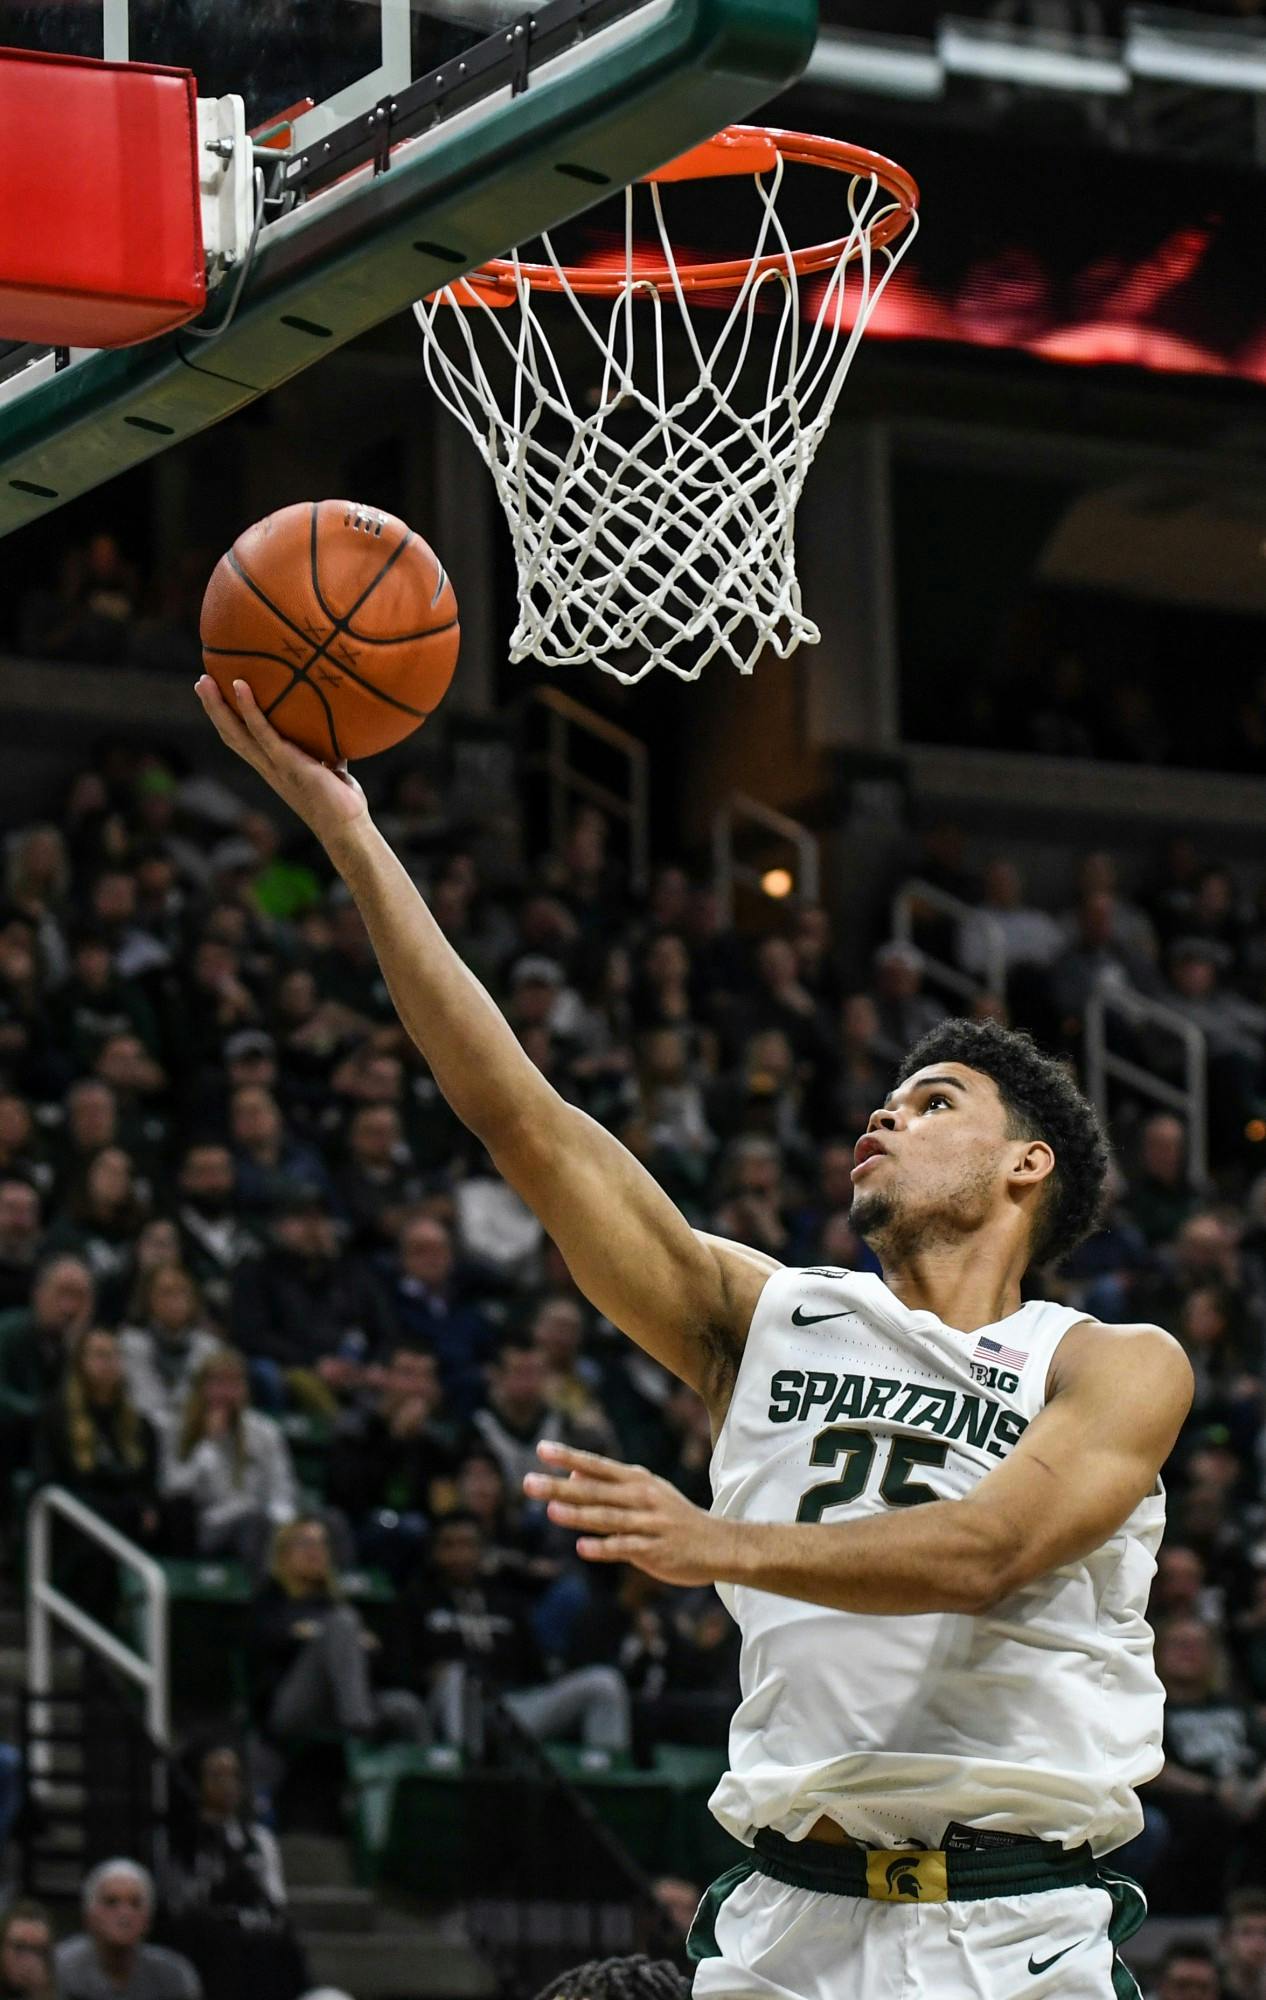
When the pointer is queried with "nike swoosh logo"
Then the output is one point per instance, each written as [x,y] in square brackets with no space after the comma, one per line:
[1044,1965]
[801,1318]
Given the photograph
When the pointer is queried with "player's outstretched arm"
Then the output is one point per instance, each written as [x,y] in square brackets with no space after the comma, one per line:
[687,1299]
[1117,1399]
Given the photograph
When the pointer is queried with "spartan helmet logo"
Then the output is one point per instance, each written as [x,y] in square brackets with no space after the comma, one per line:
[902,1877]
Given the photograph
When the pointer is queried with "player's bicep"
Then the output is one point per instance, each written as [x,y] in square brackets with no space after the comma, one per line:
[630,1250]
[1090,1456]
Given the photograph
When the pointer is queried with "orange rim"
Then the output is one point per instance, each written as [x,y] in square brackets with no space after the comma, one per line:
[739,149]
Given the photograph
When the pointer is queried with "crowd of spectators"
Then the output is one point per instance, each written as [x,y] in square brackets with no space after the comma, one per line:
[234,1210]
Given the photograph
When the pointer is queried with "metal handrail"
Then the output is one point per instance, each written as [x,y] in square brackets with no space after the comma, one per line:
[918,891]
[728,870]
[46,1606]
[1189,1099]
[567,783]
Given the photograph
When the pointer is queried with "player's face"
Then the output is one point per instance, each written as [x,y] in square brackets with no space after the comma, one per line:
[934,1162]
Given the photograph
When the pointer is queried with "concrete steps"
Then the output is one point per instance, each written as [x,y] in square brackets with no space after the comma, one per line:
[364,1945]
[404,1958]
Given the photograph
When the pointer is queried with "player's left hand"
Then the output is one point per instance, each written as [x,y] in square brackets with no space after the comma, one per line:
[623,1513]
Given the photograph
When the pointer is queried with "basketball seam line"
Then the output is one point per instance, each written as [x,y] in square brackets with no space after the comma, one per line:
[298,674]
[344,625]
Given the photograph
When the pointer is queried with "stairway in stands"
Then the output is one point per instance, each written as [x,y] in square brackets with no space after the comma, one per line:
[369,1945]
[375,1947]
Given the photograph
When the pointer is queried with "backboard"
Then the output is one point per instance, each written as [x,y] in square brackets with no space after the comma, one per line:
[397,145]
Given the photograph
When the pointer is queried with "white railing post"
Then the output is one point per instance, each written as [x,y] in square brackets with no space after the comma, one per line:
[1189,1100]
[631,808]
[917,891]
[47,1606]
[728,870]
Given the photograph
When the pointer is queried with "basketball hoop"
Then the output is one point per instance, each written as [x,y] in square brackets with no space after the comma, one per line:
[653,523]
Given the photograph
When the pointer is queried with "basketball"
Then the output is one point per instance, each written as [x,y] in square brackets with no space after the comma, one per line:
[342,620]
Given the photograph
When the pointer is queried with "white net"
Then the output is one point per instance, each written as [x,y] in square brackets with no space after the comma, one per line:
[654,523]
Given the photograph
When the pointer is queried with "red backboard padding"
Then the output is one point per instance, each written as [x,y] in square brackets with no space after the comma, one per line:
[100,225]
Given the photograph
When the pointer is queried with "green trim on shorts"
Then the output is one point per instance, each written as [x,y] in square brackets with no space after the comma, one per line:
[1129,1907]
[938,1875]
[701,1939]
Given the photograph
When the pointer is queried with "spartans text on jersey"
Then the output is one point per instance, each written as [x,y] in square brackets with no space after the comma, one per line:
[797,1395]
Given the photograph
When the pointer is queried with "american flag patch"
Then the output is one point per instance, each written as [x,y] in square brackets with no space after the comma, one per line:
[996,1355]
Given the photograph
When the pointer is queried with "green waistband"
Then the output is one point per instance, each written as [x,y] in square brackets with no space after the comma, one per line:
[924,1875]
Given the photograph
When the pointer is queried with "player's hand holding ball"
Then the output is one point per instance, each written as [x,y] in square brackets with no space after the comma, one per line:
[329,631]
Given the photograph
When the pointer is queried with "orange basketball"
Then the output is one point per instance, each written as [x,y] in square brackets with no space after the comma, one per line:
[342,620]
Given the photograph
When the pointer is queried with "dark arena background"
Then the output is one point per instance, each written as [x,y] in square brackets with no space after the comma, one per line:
[1022,777]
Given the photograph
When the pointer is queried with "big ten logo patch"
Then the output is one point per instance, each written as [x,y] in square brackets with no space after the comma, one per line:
[907,1876]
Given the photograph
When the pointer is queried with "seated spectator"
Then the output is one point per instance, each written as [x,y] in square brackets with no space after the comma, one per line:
[903,1010]
[833,1194]
[817,960]
[460,1638]
[135,952]
[21,1235]
[90,1123]
[109,1959]
[167,1343]
[756,1208]
[518,1541]
[102,1225]
[860,1077]
[1094,956]
[762,1097]
[673,1106]
[23,1152]
[270,1165]
[1027,936]
[496,1226]
[223,1891]
[380,1181]
[230,1463]
[432,1299]
[689,1445]
[35,1344]
[93,610]
[214,1240]
[1131,926]
[518,1414]
[1213,1785]
[1233,1029]
[311,1317]
[26,1952]
[1214,1329]
[678,1656]
[556,1330]
[1218,912]
[392,1466]
[1161,1196]
[1188,1971]
[1242,1946]
[662,995]
[311,1653]
[95,1442]
[1180,1589]
[37,884]
[97,1002]
[781,1001]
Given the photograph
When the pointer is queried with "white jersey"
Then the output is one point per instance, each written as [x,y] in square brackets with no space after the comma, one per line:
[1038,1717]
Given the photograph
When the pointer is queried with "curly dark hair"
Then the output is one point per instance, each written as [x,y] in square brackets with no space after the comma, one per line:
[1042,1101]
[635,1978]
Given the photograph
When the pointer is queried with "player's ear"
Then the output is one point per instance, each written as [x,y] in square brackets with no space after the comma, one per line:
[1034,1161]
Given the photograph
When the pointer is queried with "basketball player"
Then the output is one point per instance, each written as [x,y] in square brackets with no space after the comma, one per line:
[936,1507]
